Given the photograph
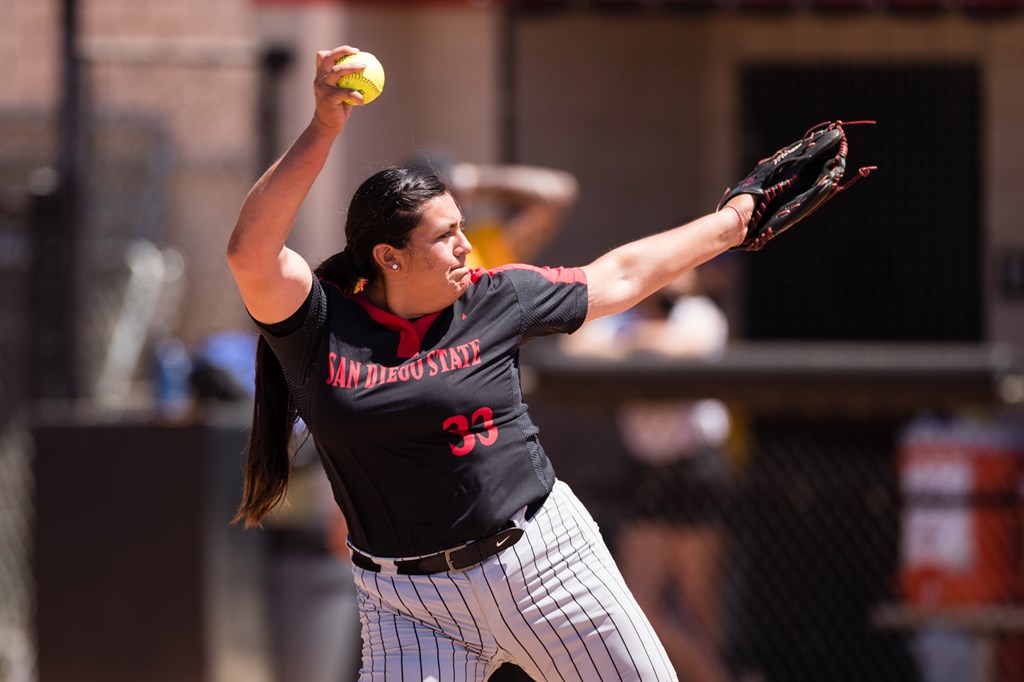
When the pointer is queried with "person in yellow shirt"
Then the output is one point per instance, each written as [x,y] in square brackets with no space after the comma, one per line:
[512,210]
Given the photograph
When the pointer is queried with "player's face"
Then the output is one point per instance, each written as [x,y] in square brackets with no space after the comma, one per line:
[437,252]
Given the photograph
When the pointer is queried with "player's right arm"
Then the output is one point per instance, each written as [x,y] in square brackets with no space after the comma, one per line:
[273,279]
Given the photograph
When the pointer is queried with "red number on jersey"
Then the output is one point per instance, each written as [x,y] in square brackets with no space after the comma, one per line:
[460,426]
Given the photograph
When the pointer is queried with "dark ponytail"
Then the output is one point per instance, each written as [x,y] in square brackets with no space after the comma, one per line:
[384,210]
[269,457]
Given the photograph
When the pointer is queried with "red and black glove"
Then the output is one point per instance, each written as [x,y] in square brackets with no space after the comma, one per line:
[794,182]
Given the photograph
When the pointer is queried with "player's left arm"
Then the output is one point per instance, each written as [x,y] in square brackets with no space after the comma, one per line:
[630,273]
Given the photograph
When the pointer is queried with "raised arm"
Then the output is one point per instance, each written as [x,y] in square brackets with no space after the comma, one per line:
[630,273]
[273,279]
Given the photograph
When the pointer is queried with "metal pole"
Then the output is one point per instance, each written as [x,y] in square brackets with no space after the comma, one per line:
[55,217]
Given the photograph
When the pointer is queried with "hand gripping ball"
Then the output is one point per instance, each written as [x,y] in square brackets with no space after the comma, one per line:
[369,81]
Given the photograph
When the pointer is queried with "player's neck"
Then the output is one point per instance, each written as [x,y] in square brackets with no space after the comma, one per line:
[392,302]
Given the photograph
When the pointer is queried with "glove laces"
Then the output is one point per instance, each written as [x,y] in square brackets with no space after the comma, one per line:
[863,171]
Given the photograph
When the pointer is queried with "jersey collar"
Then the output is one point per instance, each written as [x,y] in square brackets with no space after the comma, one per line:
[410,332]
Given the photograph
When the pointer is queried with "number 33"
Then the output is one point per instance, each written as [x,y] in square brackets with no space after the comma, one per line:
[459,425]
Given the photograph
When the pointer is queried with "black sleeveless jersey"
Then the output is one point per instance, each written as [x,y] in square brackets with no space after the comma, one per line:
[421,425]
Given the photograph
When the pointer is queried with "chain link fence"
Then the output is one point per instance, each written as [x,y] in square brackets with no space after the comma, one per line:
[27,146]
[820,541]
[167,156]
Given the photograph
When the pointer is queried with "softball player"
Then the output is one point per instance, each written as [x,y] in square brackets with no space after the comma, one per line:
[467,551]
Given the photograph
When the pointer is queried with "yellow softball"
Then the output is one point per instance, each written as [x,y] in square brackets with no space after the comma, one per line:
[369,81]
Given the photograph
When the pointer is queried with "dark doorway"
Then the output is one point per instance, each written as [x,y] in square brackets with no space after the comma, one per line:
[898,257]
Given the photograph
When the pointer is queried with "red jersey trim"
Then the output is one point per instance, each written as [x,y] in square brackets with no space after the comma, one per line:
[410,332]
[557,275]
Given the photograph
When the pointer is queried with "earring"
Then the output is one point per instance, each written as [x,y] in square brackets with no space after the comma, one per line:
[394,266]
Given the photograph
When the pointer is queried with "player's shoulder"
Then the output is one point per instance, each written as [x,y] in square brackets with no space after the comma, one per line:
[513,272]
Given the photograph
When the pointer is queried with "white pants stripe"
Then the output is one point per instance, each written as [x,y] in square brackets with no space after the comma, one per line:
[554,604]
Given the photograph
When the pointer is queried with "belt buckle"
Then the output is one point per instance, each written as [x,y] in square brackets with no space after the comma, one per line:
[448,558]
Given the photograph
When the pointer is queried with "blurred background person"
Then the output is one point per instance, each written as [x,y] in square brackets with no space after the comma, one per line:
[512,210]
[672,545]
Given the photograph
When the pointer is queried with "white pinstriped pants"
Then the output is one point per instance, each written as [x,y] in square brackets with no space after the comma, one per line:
[554,604]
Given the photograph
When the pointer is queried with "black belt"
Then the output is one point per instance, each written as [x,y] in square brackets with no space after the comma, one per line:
[455,559]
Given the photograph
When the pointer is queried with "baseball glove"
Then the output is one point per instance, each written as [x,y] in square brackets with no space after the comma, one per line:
[794,182]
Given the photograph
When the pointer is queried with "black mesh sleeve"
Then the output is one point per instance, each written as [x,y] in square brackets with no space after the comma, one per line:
[552,300]
[294,342]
